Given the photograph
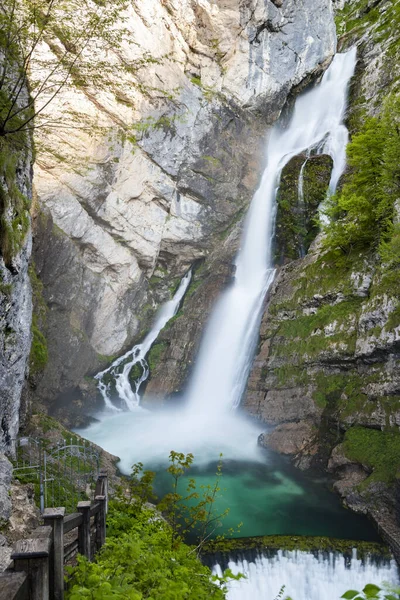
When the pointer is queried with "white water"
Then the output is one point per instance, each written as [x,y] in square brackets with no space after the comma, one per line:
[305,576]
[207,423]
[227,351]
[300,196]
[138,354]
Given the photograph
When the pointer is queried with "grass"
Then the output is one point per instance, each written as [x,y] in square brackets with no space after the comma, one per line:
[377,450]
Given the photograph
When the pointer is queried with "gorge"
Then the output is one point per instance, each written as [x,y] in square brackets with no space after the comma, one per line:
[211,275]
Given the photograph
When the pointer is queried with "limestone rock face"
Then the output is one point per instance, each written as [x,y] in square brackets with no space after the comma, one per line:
[155,170]
[329,337]
[289,438]
[329,346]
[15,291]
[5,481]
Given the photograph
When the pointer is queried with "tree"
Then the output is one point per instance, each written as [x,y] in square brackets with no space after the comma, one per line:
[362,214]
[48,44]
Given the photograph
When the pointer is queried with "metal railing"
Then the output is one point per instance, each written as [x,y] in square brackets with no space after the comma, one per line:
[64,474]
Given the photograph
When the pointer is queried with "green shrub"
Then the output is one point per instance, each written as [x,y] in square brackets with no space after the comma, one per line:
[145,556]
[362,214]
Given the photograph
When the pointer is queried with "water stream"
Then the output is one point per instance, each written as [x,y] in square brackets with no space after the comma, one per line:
[306,575]
[119,371]
[208,423]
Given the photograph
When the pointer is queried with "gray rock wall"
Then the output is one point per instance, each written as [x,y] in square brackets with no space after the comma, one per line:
[120,223]
[15,294]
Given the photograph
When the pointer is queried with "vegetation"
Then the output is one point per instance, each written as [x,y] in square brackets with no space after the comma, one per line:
[363,216]
[145,556]
[14,206]
[296,222]
[373,592]
[272,543]
[377,450]
[39,353]
[155,354]
[73,31]
[137,562]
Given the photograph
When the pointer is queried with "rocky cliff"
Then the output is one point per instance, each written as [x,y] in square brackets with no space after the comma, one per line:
[164,171]
[327,371]
[15,288]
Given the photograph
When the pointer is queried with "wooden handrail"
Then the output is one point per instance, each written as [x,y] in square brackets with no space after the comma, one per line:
[38,562]
[95,509]
[72,522]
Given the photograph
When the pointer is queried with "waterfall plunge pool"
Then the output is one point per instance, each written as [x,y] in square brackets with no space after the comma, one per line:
[263,491]
[261,488]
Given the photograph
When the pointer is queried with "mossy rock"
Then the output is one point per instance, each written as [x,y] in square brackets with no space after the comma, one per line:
[156,354]
[296,542]
[376,450]
[296,221]
[136,372]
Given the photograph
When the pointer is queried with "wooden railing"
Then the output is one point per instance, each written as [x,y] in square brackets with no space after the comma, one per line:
[37,568]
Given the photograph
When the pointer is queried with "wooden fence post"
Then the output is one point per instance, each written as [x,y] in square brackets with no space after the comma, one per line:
[102,486]
[101,522]
[84,530]
[32,556]
[55,518]
[14,586]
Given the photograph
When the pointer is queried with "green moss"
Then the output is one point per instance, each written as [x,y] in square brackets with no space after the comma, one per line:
[305,543]
[376,450]
[238,217]
[215,162]
[393,320]
[305,335]
[174,285]
[297,220]
[288,376]
[6,288]
[196,80]
[14,206]
[194,285]
[156,353]
[39,354]
[136,372]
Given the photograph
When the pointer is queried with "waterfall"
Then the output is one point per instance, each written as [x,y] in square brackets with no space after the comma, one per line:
[300,202]
[306,576]
[208,424]
[228,347]
[121,368]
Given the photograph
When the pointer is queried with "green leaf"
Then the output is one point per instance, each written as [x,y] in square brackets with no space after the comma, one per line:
[371,590]
[350,594]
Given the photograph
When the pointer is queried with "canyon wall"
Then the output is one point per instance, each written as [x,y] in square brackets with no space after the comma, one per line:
[15,287]
[158,169]
[327,370]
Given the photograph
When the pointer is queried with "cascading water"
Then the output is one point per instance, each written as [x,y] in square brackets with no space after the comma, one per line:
[300,197]
[227,350]
[207,425]
[137,355]
[306,576]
